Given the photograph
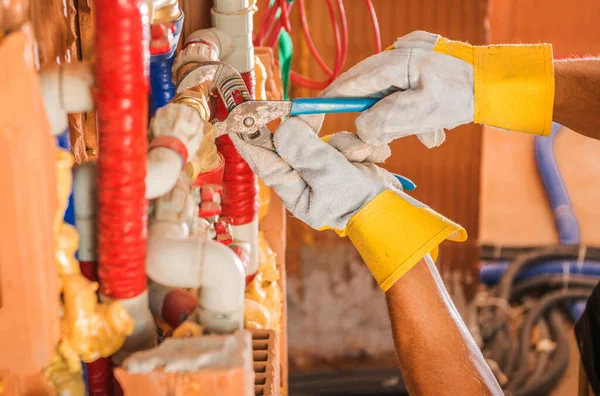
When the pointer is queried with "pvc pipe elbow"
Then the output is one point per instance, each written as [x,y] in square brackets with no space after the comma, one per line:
[220,41]
[86,208]
[66,89]
[234,17]
[175,261]
[163,169]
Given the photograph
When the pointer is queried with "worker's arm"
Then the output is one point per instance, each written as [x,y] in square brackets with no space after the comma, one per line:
[577,97]
[437,354]
[430,83]
[392,232]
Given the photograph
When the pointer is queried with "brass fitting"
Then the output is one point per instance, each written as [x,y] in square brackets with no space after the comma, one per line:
[167,12]
[196,100]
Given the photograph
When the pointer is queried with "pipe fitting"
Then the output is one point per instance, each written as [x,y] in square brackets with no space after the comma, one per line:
[179,206]
[177,131]
[234,17]
[85,196]
[173,260]
[162,11]
[206,45]
[196,100]
[66,88]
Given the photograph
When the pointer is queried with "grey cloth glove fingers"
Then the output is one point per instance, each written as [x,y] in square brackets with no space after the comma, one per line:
[355,150]
[374,76]
[272,170]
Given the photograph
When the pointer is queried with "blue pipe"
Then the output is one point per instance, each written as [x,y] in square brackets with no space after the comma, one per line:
[62,141]
[566,222]
[491,273]
[162,89]
[576,310]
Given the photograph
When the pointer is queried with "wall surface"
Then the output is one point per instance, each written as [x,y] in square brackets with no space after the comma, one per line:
[514,208]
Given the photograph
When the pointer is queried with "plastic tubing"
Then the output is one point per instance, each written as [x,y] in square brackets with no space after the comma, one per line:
[240,186]
[63,141]
[161,84]
[566,222]
[575,310]
[491,273]
[122,105]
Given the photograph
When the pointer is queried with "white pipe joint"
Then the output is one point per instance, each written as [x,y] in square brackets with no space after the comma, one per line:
[176,261]
[144,332]
[85,197]
[249,233]
[217,39]
[234,17]
[177,130]
[66,88]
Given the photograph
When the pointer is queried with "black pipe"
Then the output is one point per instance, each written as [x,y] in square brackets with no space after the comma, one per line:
[533,316]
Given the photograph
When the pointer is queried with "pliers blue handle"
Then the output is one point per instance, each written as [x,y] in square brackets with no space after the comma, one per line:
[303,106]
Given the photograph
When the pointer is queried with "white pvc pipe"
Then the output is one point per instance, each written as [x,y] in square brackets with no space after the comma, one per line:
[144,332]
[234,17]
[163,169]
[86,206]
[249,233]
[217,38]
[175,260]
[66,89]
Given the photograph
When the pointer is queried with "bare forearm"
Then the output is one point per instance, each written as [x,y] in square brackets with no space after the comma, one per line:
[577,95]
[437,354]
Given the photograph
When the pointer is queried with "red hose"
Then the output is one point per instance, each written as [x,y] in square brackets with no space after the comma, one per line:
[240,186]
[99,377]
[122,105]
[375,24]
[98,372]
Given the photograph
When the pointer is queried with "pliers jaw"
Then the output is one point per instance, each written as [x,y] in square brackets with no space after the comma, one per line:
[248,119]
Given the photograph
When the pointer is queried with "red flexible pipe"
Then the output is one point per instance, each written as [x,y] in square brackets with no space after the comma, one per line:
[375,24]
[240,186]
[99,372]
[99,377]
[339,55]
[122,105]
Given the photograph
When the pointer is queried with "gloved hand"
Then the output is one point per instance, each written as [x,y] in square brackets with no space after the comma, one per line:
[321,187]
[432,83]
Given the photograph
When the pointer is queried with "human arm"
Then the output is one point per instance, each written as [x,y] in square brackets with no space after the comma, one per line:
[391,231]
[577,97]
[436,352]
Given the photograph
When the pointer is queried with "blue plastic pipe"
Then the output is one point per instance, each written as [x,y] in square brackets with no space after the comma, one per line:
[62,141]
[162,89]
[491,273]
[566,222]
[576,309]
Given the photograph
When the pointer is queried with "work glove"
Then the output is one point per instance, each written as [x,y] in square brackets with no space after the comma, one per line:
[429,83]
[320,186]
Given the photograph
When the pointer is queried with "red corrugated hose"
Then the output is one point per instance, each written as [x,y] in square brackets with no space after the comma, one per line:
[122,106]
[240,187]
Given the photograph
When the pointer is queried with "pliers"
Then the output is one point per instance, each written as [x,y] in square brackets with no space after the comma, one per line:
[249,119]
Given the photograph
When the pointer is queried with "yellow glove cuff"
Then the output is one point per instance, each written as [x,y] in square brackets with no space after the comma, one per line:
[513,84]
[392,235]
